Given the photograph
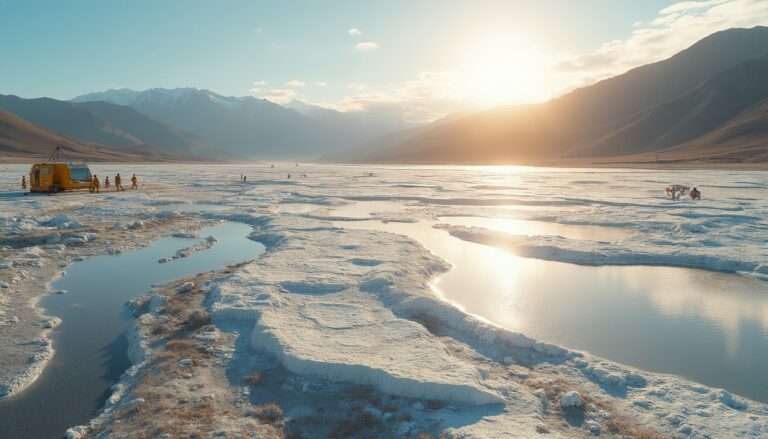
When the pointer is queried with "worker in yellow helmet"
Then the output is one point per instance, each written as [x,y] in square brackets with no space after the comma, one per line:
[95,184]
[134,182]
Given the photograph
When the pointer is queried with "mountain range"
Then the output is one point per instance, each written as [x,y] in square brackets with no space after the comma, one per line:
[708,102]
[698,104]
[250,127]
[20,138]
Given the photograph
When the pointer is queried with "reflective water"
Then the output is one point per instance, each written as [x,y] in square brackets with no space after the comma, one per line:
[296,208]
[706,326]
[533,228]
[192,207]
[364,209]
[91,346]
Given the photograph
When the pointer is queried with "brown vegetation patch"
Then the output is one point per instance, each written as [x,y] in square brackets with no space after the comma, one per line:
[253,379]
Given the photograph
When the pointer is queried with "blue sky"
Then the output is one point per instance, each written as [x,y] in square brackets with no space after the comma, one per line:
[62,49]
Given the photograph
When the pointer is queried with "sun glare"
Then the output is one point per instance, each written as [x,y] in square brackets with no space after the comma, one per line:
[505,70]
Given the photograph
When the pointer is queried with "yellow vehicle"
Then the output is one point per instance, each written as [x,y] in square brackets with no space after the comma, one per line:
[54,176]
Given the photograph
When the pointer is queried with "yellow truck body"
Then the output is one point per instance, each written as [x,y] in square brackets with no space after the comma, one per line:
[57,177]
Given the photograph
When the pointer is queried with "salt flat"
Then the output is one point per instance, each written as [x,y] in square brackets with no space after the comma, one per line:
[329,306]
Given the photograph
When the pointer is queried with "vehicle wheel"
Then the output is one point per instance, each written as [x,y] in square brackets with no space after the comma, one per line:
[55,190]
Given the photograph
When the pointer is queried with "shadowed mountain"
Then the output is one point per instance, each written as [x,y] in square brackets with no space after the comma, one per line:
[20,138]
[103,123]
[379,148]
[743,139]
[358,126]
[685,118]
[251,127]
[149,131]
[649,108]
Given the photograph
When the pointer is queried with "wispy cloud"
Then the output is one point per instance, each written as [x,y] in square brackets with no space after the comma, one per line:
[675,28]
[294,83]
[258,29]
[430,96]
[366,46]
[276,95]
[355,31]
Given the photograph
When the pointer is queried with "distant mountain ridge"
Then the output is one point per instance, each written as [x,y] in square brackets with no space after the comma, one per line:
[106,124]
[251,127]
[651,108]
[21,138]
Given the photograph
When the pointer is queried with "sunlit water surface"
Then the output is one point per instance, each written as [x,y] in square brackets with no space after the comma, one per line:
[706,326]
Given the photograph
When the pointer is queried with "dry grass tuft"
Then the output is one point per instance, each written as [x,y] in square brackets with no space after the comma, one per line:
[198,319]
[627,428]
[364,424]
[269,413]
[174,307]
[253,379]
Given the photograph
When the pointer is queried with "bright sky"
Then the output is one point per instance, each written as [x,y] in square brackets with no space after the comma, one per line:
[415,59]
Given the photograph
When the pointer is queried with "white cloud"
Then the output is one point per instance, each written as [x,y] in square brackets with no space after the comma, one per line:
[366,46]
[430,96]
[355,31]
[276,95]
[294,83]
[677,27]
[321,83]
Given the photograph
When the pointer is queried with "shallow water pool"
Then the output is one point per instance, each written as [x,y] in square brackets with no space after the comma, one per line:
[706,326]
[534,228]
[90,343]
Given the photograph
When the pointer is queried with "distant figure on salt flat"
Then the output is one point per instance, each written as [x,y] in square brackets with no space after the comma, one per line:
[118,183]
[245,178]
[95,184]
[23,182]
[695,194]
[106,182]
[134,182]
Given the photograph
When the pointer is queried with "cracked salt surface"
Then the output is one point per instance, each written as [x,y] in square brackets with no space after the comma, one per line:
[313,269]
[653,318]
[91,349]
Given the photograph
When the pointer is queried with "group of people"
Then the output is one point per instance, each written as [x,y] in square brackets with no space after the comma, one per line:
[96,183]
[677,191]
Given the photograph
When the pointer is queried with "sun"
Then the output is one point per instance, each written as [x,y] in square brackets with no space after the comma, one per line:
[504,71]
